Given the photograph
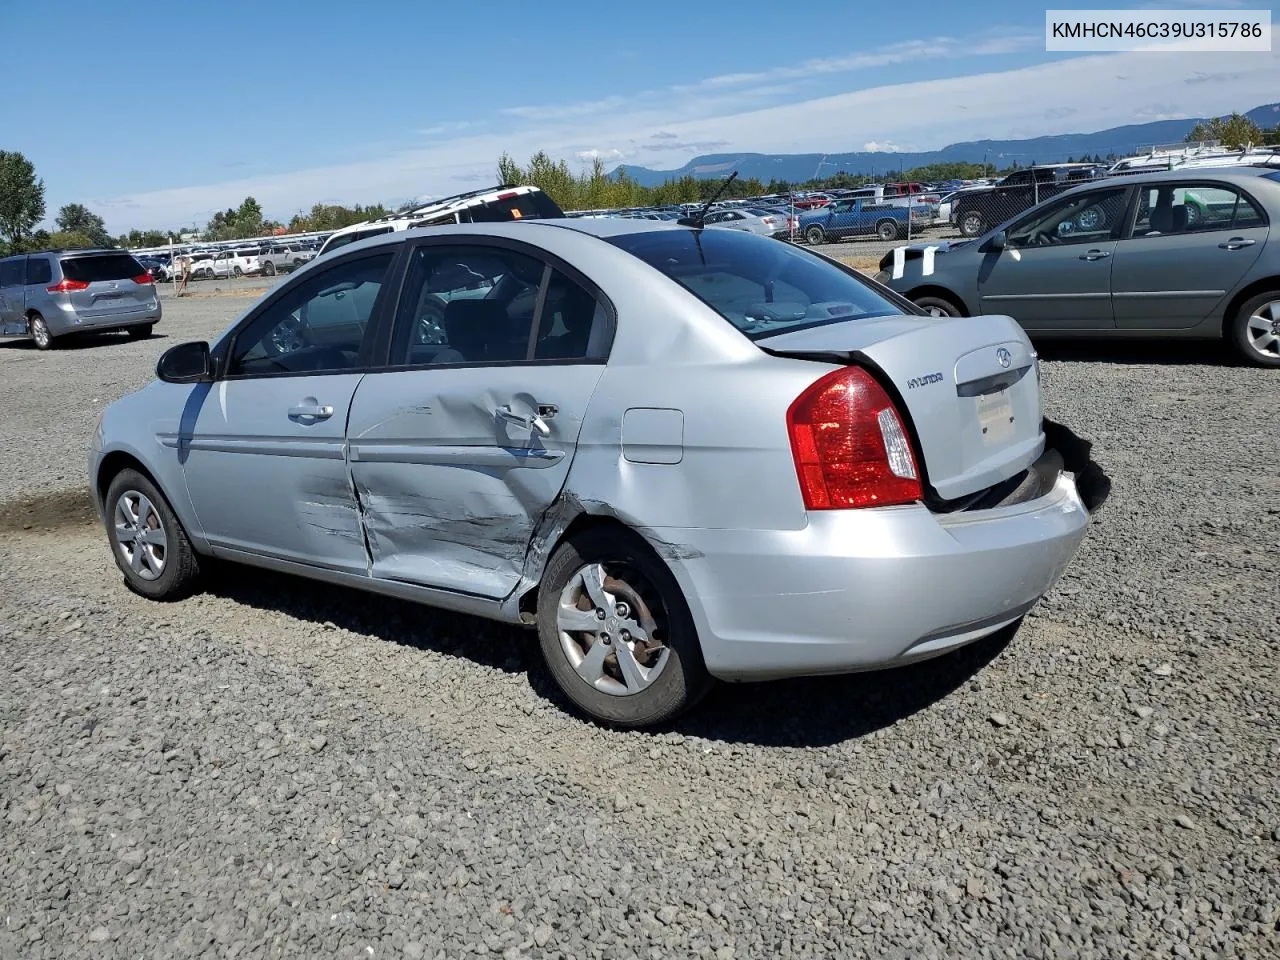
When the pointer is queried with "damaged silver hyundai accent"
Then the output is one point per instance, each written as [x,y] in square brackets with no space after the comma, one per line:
[681,454]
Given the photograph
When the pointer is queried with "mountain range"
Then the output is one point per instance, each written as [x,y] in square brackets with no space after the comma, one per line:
[799,167]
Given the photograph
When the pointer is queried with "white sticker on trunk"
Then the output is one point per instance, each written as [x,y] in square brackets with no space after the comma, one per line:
[899,261]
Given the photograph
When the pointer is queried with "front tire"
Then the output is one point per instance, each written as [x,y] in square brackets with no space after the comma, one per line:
[815,235]
[616,632]
[39,330]
[269,269]
[147,541]
[937,306]
[972,224]
[1255,330]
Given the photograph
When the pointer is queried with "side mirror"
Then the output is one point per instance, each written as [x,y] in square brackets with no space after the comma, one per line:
[186,363]
[998,241]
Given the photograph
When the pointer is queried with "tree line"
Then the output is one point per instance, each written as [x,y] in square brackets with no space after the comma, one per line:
[22,201]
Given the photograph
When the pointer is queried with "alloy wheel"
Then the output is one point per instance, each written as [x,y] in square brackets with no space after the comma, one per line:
[1262,331]
[140,535]
[608,630]
[40,332]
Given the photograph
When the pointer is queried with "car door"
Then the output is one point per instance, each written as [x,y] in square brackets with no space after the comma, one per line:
[1054,274]
[841,217]
[263,450]
[1190,246]
[461,444]
[13,307]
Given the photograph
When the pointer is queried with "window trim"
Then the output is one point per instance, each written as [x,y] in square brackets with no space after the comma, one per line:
[225,348]
[381,362]
[1174,183]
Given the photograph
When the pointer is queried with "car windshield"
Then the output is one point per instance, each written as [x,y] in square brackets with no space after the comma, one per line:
[761,286]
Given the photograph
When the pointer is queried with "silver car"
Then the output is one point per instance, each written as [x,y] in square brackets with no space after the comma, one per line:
[679,454]
[50,294]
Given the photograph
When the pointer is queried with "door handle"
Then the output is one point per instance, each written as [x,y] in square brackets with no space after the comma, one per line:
[310,411]
[1095,255]
[534,422]
[1235,243]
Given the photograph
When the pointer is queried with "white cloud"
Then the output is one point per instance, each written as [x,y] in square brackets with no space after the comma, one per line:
[594,153]
[876,146]
[1078,94]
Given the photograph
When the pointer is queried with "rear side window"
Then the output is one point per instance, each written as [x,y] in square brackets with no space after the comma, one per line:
[39,271]
[11,273]
[107,266]
[515,206]
[759,285]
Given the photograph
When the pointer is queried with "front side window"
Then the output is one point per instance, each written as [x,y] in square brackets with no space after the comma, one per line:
[760,286]
[466,304]
[1193,208]
[11,272]
[318,325]
[1084,218]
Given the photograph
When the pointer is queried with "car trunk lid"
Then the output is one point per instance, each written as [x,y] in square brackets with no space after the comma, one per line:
[970,387]
[108,285]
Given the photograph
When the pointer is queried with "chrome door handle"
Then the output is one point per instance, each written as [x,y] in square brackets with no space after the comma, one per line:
[310,411]
[1095,255]
[1235,243]
[534,422]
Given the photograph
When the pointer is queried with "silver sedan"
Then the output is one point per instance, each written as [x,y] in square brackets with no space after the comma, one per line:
[678,454]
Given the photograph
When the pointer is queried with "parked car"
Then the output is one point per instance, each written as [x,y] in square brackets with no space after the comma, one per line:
[227,263]
[977,211]
[490,418]
[158,269]
[281,258]
[490,205]
[859,217]
[1185,253]
[50,294]
[765,225]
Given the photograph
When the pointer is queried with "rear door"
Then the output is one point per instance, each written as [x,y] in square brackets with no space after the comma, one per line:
[462,442]
[103,285]
[264,456]
[13,308]
[1190,246]
[1055,271]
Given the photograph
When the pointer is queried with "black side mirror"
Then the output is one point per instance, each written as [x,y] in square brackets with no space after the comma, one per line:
[999,240]
[186,363]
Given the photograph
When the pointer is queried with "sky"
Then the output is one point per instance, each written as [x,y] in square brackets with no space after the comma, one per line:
[159,116]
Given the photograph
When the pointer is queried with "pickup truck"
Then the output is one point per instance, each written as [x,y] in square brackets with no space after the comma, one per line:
[977,211]
[281,258]
[858,217]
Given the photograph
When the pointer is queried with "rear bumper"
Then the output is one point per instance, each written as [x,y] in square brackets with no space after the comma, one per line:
[66,320]
[861,589]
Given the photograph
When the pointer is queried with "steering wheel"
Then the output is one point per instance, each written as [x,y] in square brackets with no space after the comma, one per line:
[288,336]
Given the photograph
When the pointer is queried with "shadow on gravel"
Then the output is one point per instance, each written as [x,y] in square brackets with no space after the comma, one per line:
[821,711]
[786,713]
[46,511]
[76,341]
[1215,353]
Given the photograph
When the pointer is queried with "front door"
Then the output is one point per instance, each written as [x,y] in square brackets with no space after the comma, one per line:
[1190,246]
[265,454]
[1055,271]
[462,444]
[13,304]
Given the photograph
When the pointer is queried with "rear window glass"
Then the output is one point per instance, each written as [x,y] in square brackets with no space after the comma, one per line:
[761,286]
[523,206]
[108,266]
[39,271]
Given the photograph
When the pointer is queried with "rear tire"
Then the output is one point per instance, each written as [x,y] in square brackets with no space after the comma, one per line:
[39,331]
[887,230]
[147,541]
[1255,330]
[815,235]
[237,272]
[972,224]
[141,332]
[607,673]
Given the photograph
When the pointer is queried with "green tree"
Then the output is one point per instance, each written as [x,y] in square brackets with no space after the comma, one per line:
[76,218]
[1236,131]
[73,240]
[21,199]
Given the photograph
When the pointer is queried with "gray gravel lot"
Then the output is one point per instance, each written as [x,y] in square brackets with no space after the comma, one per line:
[277,769]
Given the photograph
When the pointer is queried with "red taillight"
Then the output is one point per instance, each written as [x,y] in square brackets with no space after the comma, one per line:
[144,278]
[68,286]
[850,445]
[508,195]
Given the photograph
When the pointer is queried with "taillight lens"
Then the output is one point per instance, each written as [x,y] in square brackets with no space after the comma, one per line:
[68,286]
[850,446]
[144,278]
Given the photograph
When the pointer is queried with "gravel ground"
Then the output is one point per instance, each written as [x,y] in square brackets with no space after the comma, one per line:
[276,769]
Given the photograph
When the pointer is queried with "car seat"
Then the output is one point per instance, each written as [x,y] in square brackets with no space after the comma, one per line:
[468,325]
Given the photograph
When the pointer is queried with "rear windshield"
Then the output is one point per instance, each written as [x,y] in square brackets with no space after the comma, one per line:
[523,206]
[106,266]
[761,286]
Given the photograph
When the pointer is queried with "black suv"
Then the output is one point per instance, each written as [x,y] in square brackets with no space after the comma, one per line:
[977,211]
